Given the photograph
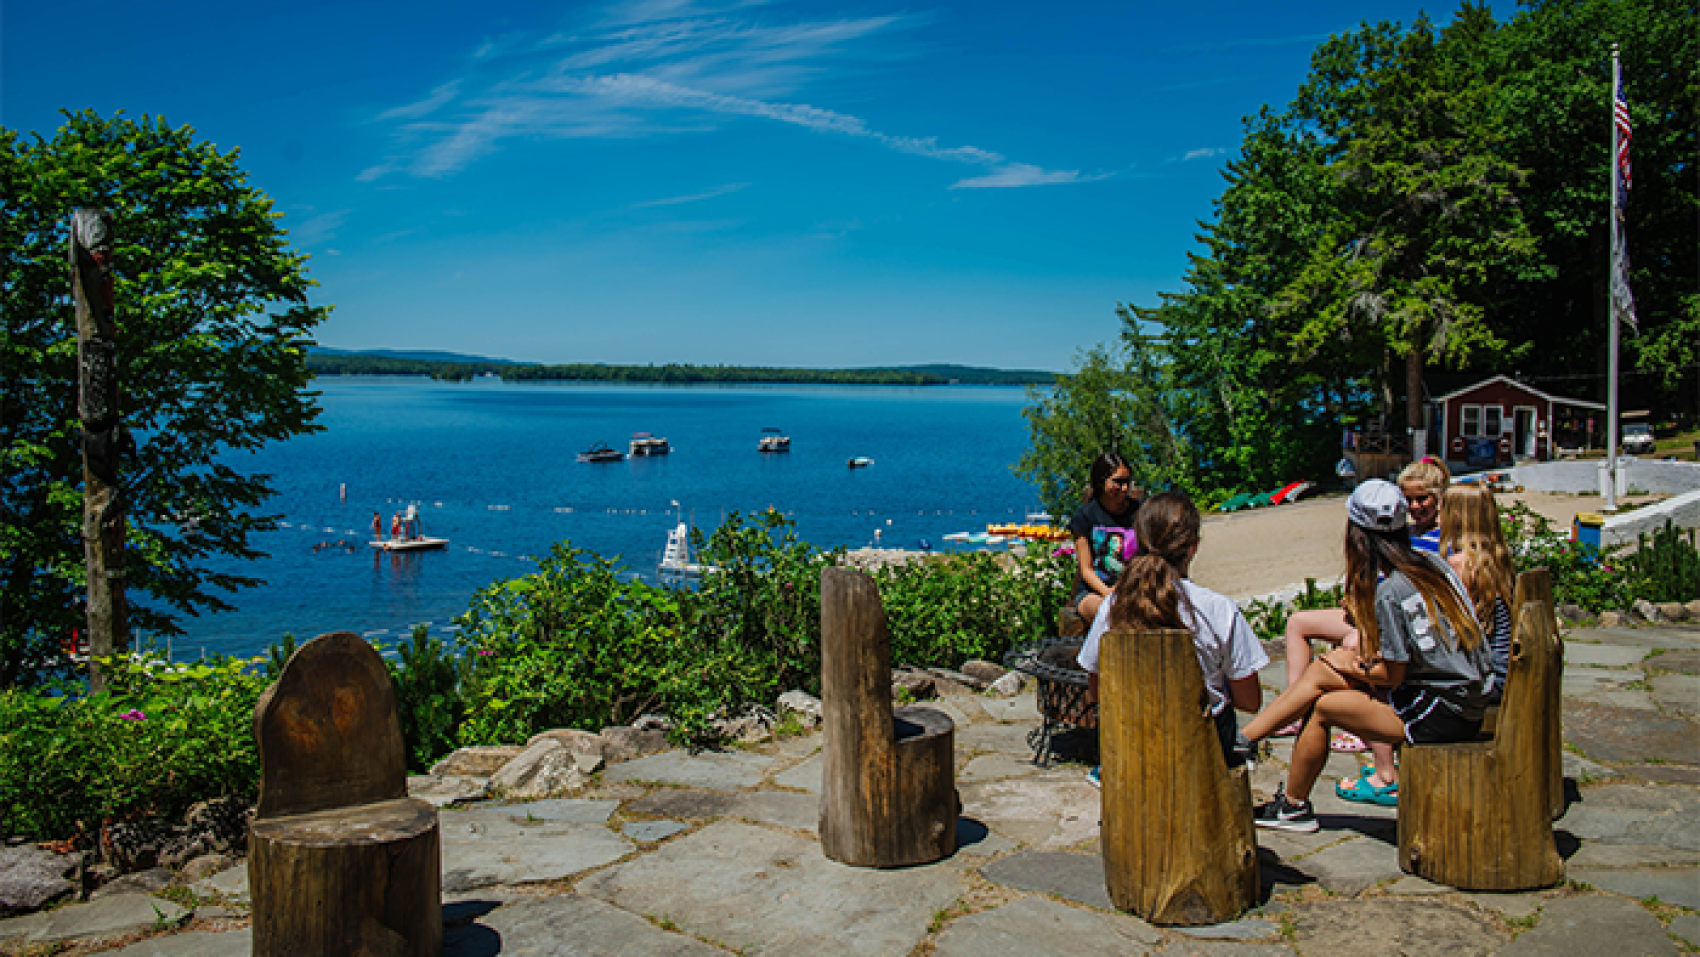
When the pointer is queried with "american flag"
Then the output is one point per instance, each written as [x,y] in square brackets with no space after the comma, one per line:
[1623,300]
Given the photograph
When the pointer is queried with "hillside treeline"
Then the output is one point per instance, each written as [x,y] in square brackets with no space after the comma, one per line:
[1432,200]
[455,370]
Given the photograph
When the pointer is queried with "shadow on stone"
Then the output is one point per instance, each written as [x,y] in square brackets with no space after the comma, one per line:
[461,913]
[1567,843]
[473,940]
[1385,830]
[970,832]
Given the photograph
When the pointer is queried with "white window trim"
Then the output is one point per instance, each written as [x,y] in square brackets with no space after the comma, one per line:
[1464,429]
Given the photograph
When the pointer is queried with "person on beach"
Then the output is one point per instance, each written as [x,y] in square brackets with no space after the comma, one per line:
[1154,592]
[1423,482]
[1418,640]
[1111,503]
[1474,545]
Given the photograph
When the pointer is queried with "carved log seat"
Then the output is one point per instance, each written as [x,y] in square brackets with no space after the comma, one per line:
[1178,838]
[340,859]
[888,787]
[1478,815]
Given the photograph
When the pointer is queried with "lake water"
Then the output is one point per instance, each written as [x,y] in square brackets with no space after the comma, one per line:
[492,468]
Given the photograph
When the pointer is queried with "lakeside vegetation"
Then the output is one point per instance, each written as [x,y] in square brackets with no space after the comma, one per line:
[461,369]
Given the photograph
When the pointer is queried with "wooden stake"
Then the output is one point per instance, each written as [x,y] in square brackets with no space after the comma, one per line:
[104,437]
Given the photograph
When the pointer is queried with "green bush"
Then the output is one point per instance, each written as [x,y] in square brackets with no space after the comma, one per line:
[1665,568]
[429,678]
[160,738]
[944,610]
[1581,574]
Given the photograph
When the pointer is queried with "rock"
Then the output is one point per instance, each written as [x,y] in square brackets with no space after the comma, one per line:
[1648,610]
[220,825]
[32,878]
[1673,610]
[624,744]
[983,671]
[802,703]
[134,846]
[1693,608]
[754,723]
[1573,613]
[203,867]
[946,681]
[653,722]
[1613,619]
[587,763]
[447,790]
[478,762]
[919,684]
[142,882]
[578,742]
[1010,684]
[544,769]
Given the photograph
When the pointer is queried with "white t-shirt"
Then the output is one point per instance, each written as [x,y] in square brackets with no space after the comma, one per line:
[1227,648]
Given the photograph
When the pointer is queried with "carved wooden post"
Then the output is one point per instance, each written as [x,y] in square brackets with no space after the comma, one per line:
[1177,832]
[104,437]
[888,781]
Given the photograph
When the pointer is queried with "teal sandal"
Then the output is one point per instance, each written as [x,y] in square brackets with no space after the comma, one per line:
[1363,792]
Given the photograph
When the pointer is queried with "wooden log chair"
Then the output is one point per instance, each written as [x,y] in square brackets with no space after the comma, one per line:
[1477,815]
[1178,839]
[340,859]
[888,788]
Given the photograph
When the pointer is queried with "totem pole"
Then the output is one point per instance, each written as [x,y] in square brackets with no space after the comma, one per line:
[105,440]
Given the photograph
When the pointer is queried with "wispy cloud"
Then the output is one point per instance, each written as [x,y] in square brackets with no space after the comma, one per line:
[317,229]
[1202,153]
[660,67]
[692,198]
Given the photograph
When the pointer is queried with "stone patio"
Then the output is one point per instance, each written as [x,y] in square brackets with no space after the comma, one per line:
[707,853]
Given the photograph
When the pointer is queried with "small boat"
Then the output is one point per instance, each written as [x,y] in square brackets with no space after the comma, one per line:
[676,564]
[420,544]
[602,452]
[861,462]
[645,444]
[774,440]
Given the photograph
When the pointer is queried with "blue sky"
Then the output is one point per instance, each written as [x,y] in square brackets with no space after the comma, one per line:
[814,184]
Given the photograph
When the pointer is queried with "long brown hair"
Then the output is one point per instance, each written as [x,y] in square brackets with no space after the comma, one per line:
[1369,554]
[1148,592]
[1469,526]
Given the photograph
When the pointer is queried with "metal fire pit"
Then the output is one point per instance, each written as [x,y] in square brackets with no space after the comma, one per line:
[1062,691]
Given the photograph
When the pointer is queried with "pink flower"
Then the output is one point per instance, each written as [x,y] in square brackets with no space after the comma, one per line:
[132,715]
[484,652]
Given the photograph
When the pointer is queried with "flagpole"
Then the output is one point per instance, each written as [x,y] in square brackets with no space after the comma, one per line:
[1611,296]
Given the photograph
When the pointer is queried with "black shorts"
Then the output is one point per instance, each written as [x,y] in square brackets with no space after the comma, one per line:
[1428,720]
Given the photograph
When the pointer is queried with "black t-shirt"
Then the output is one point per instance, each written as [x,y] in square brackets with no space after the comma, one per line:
[1110,534]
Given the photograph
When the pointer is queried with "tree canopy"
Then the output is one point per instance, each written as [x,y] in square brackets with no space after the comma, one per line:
[1431,200]
[213,323]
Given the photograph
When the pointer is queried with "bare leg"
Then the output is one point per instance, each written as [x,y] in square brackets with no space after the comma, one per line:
[1357,712]
[1088,606]
[1330,625]
[1296,701]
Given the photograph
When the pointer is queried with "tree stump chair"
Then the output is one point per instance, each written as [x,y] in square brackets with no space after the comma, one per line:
[1478,815]
[1178,839]
[340,859]
[888,787]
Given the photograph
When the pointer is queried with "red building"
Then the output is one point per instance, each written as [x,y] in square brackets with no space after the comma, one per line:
[1499,420]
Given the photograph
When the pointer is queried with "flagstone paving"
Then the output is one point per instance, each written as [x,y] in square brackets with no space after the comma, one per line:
[702,853]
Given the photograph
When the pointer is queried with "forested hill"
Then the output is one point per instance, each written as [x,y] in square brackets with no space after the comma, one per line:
[456,367]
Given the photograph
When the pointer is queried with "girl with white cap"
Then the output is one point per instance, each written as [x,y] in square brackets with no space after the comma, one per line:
[1418,636]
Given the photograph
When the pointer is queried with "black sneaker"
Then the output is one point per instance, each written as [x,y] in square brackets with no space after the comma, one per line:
[1286,815]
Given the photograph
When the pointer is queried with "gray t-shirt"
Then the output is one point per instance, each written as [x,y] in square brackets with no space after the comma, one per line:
[1430,651]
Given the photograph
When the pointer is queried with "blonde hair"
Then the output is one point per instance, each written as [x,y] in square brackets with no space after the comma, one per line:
[1469,526]
[1429,472]
[1371,553]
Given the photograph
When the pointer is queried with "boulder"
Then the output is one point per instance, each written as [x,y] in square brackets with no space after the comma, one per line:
[1010,684]
[134,846]
[545,769]
[142,882]
[803,703]
[918,683]
[480,762]
[1647,610]
[32,878]
[578,742]
[1673,610]
[983,671]
[1613,619]
[448,789]
[1573,613]
[219,825]
[754,723]
[1693,609]
[653,722]
[625,744]
[946,682]
[204,867]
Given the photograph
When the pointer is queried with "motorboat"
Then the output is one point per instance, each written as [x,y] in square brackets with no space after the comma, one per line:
[645,444]
[676,564]
[602,452]
[861,462]
[774,440]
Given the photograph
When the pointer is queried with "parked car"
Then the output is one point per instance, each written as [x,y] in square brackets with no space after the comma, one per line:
[1638,438]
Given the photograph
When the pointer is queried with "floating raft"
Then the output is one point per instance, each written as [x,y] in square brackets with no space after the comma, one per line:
[420,544]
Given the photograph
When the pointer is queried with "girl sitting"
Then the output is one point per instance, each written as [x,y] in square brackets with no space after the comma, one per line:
[1417,635]
[1154,592]
[1111,503]
[1474,545]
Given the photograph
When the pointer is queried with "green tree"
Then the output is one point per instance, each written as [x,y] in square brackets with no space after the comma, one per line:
[213,323]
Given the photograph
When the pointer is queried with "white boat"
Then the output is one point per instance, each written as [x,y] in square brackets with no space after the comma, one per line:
[861,462]
[420,544]
[773,440]
[645,444]
[676,564]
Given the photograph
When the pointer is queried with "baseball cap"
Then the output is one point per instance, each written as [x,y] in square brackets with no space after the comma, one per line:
[1377,504]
